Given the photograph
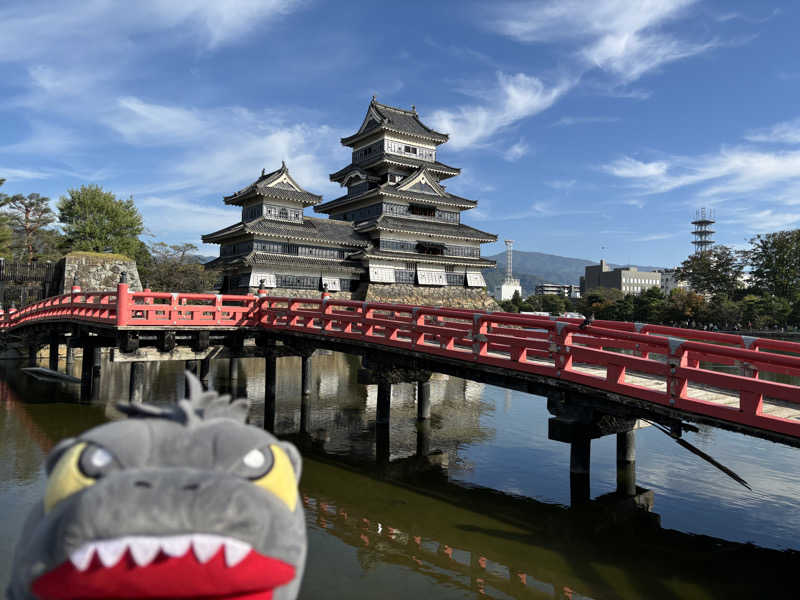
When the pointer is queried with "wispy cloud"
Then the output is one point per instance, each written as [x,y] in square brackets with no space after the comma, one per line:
[652,237]
[624,38]
[44,139]
[22,174]
[569,121]
[92,26]
[510,99]
[759,221]
[516,151]
[732,171]
[561,184]
[787,132]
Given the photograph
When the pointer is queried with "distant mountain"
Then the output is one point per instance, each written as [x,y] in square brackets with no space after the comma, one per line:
[532,268]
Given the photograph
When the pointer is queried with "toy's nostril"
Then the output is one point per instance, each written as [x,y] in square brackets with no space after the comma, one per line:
[144,484]
[191,486]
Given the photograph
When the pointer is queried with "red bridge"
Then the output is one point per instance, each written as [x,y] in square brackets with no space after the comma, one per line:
[634,370]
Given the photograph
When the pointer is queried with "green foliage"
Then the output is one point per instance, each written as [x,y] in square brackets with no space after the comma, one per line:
[175,268]
[775,262]
[28,217]
[717,271]
[96,220]
[5,229]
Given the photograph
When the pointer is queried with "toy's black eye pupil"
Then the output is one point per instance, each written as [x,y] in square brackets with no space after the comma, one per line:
[96,462]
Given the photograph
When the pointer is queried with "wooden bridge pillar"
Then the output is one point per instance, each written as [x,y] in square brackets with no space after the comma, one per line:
[423,400]
[580,450]
[70,364]
[424,437]
[626,463]
[270,390]
[136,387]
[305,374]
[191,367]
[233,375]
[53,354]
[382,422]
[33,350]
[90,372]
[205,369]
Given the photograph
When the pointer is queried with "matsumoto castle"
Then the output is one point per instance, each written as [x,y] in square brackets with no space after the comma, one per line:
[395,235]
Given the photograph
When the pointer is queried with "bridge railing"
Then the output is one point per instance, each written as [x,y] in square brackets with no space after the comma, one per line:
[94,307]
[188,310]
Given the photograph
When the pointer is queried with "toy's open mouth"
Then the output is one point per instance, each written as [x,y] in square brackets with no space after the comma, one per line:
[179,566]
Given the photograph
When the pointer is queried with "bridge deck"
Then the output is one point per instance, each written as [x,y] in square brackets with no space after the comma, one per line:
[661,367]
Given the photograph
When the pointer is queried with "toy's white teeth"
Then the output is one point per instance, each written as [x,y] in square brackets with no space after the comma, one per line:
[145,549]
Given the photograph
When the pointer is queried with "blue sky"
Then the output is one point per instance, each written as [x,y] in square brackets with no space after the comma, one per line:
[587,129]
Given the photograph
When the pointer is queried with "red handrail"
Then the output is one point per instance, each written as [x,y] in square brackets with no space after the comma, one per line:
[560,348]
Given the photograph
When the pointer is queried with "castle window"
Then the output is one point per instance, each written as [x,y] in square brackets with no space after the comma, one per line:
[421,210]
[410,150]
[283,214]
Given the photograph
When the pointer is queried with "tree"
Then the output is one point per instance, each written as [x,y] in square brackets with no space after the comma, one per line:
[28,216]
[715,271]
[176,268]
[5,230]
[648,307]
[553,304]
[775,261]
[95,220]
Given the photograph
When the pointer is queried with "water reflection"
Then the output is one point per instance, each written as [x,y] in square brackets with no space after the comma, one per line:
[494,523]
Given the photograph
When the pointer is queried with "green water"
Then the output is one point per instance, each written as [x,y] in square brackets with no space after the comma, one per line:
[495,523]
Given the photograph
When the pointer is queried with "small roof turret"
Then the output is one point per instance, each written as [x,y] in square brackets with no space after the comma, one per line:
[277,184]
[394,120]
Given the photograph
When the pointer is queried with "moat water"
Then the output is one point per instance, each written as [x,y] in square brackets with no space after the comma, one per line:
[495,523]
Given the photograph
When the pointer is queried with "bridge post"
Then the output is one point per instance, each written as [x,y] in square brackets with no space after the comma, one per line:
[233,375]
[191,366]
[53,358]
[580,450]
[382,419]
[205,368]
[305,391]
[423,400]
[626,463]
[90,372]
[136,387]
[70,358]
[270,389]
[423,437]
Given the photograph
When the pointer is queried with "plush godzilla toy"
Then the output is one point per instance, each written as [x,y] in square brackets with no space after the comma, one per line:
[185,501]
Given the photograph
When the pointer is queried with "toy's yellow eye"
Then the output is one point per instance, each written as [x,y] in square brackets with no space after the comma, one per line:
[66,477]
[280,480]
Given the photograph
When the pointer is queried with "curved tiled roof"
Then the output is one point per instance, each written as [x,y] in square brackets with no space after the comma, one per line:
[390,190]
[312,229]
[428,227]
[263,187]
[412,163]
[425,258]
[398,120]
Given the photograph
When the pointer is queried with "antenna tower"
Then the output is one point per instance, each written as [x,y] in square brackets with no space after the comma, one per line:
[509,244]
[703,220]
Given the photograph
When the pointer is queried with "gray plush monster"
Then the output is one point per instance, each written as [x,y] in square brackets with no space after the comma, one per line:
[185,501]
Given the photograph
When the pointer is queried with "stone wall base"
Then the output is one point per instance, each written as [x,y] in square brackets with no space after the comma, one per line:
[96,271]
[293,293]
[447,297]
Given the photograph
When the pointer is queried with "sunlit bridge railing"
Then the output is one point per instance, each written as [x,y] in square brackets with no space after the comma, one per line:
[729,377]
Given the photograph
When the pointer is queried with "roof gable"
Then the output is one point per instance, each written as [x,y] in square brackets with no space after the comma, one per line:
[277,184]
[391,118]
[423,181]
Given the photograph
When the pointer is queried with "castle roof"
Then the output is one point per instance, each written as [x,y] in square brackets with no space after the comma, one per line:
[382,117]
[312,229]
[278,185]
[436,229]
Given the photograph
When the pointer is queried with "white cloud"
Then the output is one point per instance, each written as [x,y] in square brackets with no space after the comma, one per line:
[569,121]
[561,184]
[514,97]
[631,168]
[22,174]
[760,221]
[221,148]
[95,27]
[652,237]
[516,151]
[787,132]
[619,36]
[44,139]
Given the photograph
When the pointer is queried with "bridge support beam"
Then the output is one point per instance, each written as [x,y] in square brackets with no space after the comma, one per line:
[626,463]
[305,374]
[423,400]
[205,369]
[136,387]
[53,354]
[233,376]
[191,367]
[70,363]
[90,372]
[270,390]
[382,422]
[580,453]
